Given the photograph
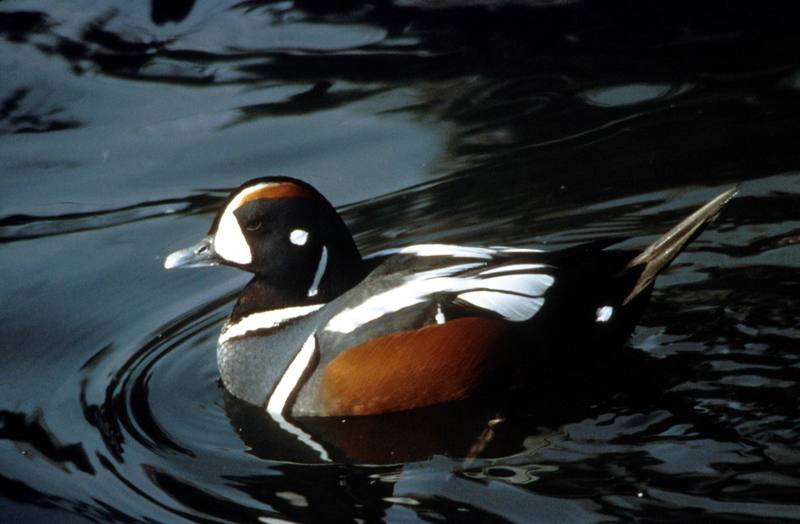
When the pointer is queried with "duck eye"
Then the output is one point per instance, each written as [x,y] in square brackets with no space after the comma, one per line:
[255,225]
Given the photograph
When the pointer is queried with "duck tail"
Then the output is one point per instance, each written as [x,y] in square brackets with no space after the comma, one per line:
[658,255]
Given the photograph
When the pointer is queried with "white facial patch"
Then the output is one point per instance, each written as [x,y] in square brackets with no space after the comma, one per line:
[298,237]
[229,241]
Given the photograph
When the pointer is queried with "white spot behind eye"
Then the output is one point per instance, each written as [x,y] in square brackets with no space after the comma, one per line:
[298,237]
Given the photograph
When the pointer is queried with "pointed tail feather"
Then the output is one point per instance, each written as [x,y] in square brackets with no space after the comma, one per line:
[660,253]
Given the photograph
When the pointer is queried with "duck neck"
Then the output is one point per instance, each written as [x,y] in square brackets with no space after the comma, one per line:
[333,277]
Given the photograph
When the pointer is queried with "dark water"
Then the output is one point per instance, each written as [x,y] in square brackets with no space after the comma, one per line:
[123,124]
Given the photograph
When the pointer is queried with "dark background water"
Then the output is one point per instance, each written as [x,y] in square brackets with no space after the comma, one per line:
[123,124]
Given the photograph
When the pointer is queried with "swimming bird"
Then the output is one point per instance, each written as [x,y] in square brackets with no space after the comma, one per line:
[322,331]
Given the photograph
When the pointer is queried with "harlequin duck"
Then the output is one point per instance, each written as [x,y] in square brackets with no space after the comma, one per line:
[322,331]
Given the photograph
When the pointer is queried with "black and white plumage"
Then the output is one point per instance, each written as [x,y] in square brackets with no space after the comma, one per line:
[321,331]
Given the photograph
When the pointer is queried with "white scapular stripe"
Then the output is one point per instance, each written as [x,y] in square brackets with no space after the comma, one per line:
[265,320]
[512,268]
[443,271]
[321,266]
[298,237]
[285,387]
[523,283]
[413,291]
[505,249]
[438,250]
[511,307]
[420,287]
[229,241]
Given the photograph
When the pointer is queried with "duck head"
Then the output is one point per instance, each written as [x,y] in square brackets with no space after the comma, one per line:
[283,231]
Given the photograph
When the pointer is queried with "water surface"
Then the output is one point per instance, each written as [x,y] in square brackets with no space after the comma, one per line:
[537,124]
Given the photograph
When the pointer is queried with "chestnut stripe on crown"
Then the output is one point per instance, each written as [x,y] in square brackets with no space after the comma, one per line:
[277,190]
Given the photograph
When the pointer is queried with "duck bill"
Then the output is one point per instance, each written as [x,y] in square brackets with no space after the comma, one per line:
[198,255]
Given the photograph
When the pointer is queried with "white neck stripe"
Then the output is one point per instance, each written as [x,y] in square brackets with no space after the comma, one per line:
[323,264]
[265,320]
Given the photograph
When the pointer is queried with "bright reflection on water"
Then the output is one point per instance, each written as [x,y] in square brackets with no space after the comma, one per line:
[539,124]
[623,95]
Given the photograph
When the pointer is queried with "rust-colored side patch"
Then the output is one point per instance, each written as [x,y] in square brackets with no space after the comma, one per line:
[278,190]
[411,369]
